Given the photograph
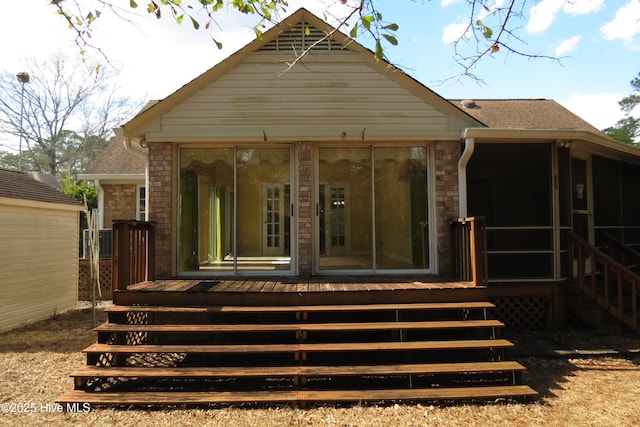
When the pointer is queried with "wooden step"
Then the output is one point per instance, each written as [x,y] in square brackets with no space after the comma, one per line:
[300,327]
[302,308]
[300,347]
[201,398]
[286,371]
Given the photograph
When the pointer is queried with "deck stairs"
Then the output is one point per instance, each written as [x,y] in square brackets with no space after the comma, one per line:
[297,354]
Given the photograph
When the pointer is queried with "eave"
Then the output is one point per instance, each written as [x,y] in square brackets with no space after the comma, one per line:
[597,143]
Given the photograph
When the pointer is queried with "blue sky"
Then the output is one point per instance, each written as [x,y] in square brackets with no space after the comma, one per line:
[600,49]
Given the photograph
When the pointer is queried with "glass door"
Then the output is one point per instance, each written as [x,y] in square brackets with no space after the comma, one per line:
[234,210]
[344,208]
[373,209]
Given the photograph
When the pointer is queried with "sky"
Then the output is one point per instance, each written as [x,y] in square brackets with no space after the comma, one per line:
[598,44]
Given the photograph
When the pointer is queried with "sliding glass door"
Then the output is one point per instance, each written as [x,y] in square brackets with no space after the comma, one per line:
[234,210]
[372,209]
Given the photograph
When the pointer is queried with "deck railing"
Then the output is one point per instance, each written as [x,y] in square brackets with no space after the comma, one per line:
[620,252]
[469,250]
[612,285]
[132,259]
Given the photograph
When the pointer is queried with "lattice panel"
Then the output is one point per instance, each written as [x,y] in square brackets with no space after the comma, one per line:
[137,318]
[522,313]
[84,281]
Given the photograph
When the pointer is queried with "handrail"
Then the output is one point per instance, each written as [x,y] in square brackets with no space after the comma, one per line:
[469,250]
[133,253]
[602,278]
[621,252]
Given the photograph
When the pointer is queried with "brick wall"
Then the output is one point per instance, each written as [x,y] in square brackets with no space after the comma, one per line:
[120,201]
[446,155]
[161,204]
[305,211]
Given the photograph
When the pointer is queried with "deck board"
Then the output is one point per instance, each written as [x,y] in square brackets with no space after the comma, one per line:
[309,371]
[302,327]
[281,396]
[289,348]
[306,308]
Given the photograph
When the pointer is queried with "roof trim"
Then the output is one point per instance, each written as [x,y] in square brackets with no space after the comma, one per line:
[509,135]
[112,177]
[27,203]
[131,128]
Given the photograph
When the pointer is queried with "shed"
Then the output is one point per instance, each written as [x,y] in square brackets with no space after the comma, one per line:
[38,250]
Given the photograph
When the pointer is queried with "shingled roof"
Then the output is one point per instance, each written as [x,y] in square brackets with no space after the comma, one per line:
[115,159]
[544,114]
[18,185]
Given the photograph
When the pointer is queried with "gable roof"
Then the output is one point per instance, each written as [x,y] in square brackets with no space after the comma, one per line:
[285,35]
[115,160]
[524,114]
[19,185]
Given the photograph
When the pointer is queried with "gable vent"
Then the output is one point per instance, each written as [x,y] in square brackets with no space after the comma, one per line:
[299,38]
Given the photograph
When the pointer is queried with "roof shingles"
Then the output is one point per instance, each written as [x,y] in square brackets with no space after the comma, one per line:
[18,185]
[525,114]
[115,159]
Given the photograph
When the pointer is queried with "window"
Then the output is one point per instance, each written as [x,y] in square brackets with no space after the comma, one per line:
[142,203]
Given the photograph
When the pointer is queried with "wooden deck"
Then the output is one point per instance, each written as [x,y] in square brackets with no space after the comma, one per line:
[324,339]
[293,290]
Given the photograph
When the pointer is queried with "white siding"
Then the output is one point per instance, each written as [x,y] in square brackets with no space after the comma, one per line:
[38,263]
[329,96]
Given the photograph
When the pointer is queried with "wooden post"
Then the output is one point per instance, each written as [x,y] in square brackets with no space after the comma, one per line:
[133,254]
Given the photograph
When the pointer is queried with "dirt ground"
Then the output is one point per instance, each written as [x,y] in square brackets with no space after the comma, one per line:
[585,378]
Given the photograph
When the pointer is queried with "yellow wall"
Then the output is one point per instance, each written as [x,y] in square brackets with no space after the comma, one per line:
[39,263]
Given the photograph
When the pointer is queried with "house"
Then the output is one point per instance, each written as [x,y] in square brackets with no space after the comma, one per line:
[38,250]
[119,174]
[307,225]
[259,169]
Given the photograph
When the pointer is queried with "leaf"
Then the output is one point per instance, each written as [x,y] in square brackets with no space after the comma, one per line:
[133,4]
[354,31]
[495,48]
[391,27]
[218,44]
[366,21]
[379,51]
[195,23]
[391,39]
[487,32]
[180,18]
[307,31]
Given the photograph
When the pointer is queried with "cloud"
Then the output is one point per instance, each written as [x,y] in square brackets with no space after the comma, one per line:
[452,32]
[599,109]
[445,3]
[624,25]
[568,45]
[545,12]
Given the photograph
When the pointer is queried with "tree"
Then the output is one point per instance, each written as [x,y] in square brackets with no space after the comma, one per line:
[492,26]
[63,116]
[627,129]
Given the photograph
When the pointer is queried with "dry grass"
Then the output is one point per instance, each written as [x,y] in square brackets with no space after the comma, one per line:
[36,360]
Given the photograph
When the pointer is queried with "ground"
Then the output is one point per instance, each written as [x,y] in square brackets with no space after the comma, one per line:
[578,386]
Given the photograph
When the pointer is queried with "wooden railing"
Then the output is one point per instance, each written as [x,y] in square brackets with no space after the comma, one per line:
[133,254]
[621,253]
[469,250]
[602,278]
